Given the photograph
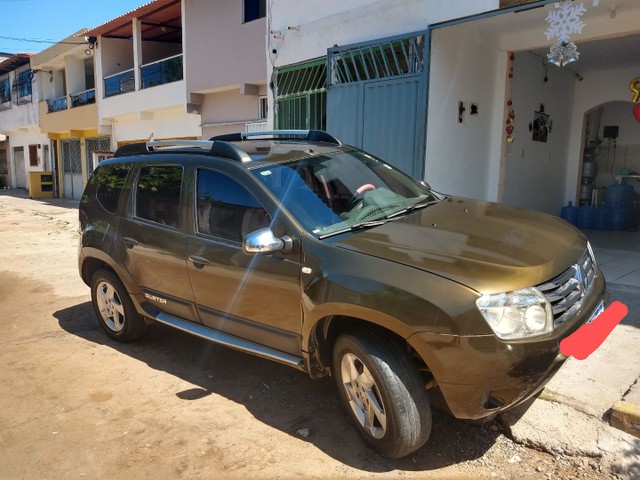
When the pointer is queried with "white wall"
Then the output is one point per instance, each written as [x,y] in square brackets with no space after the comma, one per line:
[155,51]
[19,116]
[23,138]
[169,123]
[318,26]
[589,94]
[115,55]
[624,153]
[220,50]
[535,171]
[146,100]
[323,24]
[229,111]
[463,66]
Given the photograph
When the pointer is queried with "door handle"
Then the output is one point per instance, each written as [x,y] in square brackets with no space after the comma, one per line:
[197,261]
[129,242]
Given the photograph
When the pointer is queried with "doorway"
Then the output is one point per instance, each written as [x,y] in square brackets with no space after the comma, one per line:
[19,167]
[71,169]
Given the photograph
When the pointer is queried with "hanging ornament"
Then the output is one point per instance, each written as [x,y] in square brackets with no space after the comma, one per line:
[564,20]
[563,53]
[634,86]
[636,111]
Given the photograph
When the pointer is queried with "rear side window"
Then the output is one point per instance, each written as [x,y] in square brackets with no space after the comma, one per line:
[158,194]
[226,209]
[110,180]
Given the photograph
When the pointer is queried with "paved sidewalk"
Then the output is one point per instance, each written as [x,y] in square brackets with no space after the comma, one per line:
[573,414]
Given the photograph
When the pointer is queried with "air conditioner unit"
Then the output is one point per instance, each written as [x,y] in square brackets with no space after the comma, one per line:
[99,157]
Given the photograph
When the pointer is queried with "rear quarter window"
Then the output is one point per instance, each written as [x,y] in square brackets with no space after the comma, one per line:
[110,180]
[158,194]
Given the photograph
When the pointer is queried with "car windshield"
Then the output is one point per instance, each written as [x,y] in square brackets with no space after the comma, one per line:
[343,191]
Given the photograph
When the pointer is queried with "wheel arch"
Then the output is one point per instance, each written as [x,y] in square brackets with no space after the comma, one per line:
[326,330]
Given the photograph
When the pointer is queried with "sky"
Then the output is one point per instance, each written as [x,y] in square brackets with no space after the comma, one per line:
[30,26]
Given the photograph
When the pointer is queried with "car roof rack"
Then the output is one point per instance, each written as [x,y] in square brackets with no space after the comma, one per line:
[304,135]
[215,148]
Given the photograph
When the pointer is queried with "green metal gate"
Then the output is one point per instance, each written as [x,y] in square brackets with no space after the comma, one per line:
[301,96]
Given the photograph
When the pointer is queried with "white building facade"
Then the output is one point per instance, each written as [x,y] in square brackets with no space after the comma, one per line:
[434,86]
[26,147]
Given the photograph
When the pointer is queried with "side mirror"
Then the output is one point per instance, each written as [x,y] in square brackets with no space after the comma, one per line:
[264,241]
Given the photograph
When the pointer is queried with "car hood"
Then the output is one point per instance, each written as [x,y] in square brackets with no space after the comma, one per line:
[486,246]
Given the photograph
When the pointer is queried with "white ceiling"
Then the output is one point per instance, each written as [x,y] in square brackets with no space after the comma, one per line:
[608,40]
[604,54]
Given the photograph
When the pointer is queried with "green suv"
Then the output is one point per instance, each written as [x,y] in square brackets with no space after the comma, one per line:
[294,247]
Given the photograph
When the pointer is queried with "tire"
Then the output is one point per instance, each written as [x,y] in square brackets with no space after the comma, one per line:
[114,308]
[382,390]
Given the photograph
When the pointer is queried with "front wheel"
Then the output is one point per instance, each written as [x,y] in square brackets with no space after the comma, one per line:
[114,309]
[382,389]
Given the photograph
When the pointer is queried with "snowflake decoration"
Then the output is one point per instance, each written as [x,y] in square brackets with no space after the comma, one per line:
[565,20]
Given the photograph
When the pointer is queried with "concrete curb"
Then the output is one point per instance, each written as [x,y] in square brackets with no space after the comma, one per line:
[625,416]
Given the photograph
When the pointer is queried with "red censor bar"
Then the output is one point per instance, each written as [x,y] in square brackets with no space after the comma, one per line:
[584,341]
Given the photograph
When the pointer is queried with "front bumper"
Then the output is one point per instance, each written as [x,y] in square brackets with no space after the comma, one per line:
[482,375]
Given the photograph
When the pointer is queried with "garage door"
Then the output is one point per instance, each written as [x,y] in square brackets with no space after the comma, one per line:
[376,99]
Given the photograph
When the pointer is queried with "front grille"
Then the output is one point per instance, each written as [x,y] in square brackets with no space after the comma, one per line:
[567,291]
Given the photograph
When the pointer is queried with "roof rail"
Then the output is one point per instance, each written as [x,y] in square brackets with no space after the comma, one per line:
[306,135]
[215,148]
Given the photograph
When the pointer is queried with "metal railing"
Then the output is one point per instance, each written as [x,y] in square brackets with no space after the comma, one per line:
[119,83]
[5,100]
[57,105]
[161,72]
[83,98]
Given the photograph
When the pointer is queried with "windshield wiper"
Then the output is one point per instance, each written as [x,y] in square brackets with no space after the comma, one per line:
[411,208]
[357,226]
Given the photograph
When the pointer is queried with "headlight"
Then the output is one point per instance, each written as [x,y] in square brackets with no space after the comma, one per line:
[520,314]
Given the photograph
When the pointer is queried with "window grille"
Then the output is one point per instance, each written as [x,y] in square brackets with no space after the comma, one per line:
[71,156]
[301,96]
[391,58]
[22,86]
[101,144]
[5,90]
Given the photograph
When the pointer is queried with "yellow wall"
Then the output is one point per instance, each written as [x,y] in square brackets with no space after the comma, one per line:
[79,118]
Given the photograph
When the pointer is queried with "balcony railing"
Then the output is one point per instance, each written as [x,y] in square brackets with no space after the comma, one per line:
[83,98]
[118,83]
[57,104]
[161,72]
[5,100]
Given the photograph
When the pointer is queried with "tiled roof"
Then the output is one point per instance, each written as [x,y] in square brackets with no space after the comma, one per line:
[16,61]
[160,21]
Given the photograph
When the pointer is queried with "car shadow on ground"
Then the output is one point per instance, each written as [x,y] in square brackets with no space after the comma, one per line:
[279,396]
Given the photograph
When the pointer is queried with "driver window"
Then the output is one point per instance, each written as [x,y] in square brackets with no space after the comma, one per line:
[226,209]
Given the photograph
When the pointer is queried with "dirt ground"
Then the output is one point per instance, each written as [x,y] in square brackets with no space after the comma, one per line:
[74,404]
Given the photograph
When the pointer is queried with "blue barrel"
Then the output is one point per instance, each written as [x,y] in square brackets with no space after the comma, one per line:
[570,213]
[619,195]
[602,218]
[620,218]
[585,217]
[635,218]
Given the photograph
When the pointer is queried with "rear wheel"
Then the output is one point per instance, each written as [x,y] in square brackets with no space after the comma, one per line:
[382,390]
[114,309]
